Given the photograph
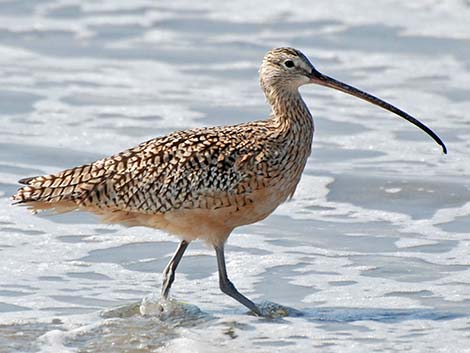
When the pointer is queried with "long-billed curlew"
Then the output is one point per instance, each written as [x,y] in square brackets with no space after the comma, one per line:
[203,183]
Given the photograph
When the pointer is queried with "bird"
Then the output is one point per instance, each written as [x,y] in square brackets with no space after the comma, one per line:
[202,183]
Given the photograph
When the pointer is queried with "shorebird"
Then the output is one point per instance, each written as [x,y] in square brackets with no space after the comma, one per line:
[202,183]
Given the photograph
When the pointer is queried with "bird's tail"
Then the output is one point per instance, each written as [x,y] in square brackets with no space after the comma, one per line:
[62,192]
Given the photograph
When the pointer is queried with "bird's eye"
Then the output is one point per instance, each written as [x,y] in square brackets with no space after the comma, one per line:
[289,63]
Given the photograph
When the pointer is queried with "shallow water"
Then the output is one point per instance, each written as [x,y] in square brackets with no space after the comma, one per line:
[373,250]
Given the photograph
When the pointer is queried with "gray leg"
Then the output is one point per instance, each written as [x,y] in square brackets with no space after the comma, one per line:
[169,272]
[227,287]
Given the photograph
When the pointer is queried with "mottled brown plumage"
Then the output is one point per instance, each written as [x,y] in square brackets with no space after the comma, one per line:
[230,168]
[202,183]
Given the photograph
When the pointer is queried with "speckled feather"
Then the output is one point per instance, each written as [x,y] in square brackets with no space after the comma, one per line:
[207,168]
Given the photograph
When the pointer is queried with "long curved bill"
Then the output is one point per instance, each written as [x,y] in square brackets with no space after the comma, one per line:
[323,80]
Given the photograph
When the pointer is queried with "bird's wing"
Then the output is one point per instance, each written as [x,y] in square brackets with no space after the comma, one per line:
[193,169]
[185,169]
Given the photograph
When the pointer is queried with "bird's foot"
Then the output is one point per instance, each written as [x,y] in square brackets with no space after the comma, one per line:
[273,311]
[153,305]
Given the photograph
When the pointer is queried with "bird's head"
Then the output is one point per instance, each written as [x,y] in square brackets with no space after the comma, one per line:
[284,70]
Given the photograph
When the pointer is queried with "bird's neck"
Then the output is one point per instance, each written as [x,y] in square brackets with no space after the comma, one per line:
[292,124]
[289,111]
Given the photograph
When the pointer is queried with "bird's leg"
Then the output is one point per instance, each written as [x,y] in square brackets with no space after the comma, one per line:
[169,272]
[227,287]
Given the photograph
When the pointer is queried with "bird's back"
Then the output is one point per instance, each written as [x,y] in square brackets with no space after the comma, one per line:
[197,181]
[205,169]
